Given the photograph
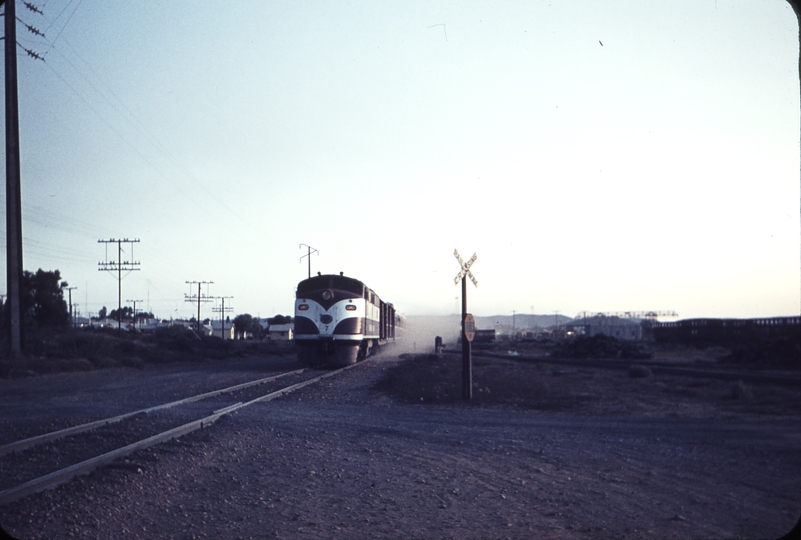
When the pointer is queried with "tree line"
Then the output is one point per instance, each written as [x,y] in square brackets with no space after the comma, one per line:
[41,301]
[43,305]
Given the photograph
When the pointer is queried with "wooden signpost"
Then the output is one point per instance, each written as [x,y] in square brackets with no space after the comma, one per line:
[468,324]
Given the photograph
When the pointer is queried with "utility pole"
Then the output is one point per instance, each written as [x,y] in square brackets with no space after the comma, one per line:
[13,190]
[308,255]
[198,297]
[134,311]
[514,326]
[222,311]
[69,291]
[119,265]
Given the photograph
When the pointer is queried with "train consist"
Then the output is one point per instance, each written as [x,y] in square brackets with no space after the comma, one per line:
[706,332]
[339,320]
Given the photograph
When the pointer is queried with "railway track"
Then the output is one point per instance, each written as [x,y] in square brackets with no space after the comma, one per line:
[43,462]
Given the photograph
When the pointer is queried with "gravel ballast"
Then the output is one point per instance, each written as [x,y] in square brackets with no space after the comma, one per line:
[343,459]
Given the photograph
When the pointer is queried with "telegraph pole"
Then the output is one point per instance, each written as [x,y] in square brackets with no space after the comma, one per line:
[13,191]
[69,291]
[134,311]
[222,311]
[308,255]
[514,325]
[119,265]
[198,297]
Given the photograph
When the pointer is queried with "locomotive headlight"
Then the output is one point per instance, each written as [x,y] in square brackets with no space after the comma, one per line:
[303,307]
[327,295]
[351,307]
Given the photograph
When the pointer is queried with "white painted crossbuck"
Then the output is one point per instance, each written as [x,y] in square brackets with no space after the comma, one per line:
[465,268]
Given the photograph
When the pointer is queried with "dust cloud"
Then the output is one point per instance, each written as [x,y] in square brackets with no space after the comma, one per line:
[419,333]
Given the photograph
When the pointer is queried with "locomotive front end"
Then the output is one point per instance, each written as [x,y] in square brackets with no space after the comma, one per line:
[330,320]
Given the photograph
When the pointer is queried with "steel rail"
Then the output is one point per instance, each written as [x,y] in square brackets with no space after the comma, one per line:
[55,435]
[66,474]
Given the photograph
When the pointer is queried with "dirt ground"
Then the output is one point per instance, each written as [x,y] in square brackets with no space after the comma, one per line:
[390,450]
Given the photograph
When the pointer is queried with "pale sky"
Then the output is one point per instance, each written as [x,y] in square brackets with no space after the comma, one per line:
[599,156]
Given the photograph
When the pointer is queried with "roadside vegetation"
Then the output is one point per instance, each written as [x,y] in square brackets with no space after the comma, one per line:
[56,350]
[51,345]
[547,386]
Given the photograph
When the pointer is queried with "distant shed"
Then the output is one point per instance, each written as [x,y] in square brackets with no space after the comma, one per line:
[280,332]
[484,336]
[628,329]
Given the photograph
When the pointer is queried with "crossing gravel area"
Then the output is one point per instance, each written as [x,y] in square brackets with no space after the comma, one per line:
[348,458]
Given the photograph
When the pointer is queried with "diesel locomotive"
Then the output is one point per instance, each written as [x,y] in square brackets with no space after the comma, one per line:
[339,320]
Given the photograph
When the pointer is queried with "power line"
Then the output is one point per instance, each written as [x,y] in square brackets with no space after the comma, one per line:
[69,291]
[119,265]
[119,106]
[199,297]
[134,311]
[129,118]
[32,7]
[222,311]
[125,112]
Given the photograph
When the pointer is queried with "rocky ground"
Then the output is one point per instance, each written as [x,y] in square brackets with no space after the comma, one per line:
[390,450]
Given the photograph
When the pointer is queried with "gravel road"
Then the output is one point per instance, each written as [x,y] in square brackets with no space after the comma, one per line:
[342,460]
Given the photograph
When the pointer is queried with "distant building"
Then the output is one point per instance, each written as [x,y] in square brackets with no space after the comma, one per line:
[217,329]
[627,329]
[280,332]
[151,325]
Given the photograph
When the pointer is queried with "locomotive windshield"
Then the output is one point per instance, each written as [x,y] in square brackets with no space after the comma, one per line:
[347,284]
[330,282]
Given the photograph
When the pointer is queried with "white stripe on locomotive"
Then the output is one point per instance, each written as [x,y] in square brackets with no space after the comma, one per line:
[338,313]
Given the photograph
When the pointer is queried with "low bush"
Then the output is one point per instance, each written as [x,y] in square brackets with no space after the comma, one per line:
[638,371]
[599,346]
[740,391]
[82,349]
[776,353]
[80,345]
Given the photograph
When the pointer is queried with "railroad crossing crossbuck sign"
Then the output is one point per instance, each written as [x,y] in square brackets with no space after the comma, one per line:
[465,268]
[468,324]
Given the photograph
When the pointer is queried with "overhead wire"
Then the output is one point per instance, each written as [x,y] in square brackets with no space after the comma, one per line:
[57,17]
[40,216]
[44,217]
[117,104]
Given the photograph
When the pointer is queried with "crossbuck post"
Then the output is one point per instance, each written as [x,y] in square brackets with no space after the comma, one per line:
[467,360]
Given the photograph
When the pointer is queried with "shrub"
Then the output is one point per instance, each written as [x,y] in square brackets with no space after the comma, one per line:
[82,345]
[781,353]
[740,391]
[176,339]
[638,371]
[599,346]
